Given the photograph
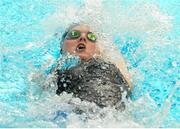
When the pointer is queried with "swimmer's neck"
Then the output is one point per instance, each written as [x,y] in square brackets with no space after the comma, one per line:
[88,59]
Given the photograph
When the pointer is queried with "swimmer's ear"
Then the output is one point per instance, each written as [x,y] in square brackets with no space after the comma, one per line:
[61,51]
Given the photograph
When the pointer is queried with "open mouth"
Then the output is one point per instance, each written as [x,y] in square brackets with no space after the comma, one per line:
[81,47]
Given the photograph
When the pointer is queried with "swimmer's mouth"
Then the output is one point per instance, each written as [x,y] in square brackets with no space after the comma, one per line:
[81,47]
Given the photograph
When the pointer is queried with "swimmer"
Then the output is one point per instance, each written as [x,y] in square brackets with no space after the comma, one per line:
[93,79]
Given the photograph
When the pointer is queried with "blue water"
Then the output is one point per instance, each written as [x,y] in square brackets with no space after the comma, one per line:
[152,51]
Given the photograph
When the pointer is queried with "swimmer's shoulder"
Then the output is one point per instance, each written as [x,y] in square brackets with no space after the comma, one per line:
[121,66]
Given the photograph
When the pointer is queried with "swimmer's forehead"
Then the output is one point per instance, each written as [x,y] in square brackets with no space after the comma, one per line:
[83,28]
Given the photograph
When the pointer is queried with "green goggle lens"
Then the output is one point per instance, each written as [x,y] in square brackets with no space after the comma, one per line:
[91,36]
[74,34]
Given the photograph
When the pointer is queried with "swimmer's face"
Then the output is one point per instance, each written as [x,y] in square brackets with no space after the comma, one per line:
[81,46]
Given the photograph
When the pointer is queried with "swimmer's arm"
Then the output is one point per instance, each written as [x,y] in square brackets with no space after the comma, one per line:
[123,68]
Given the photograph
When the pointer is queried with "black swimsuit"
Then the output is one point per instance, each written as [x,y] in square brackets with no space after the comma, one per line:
[95,81]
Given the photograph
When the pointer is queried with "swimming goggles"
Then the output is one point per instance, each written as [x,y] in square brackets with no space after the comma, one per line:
[75,34]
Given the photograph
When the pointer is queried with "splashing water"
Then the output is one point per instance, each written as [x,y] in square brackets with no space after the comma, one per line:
[146,33]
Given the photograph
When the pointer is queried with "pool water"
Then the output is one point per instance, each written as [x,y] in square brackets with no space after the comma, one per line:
[145,32]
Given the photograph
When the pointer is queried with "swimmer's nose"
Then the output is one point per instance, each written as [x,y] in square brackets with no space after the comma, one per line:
[82,38]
